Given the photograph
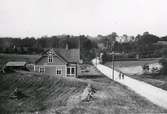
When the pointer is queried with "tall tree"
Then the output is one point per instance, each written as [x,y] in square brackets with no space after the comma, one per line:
[144,44]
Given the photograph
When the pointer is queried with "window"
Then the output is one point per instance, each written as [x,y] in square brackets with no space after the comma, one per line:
[50,59]
[59,71]
[70,70]
[41,69]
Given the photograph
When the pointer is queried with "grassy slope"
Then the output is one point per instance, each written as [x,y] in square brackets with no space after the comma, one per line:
[122,100]
[48,94]
[43,92]
[53,94]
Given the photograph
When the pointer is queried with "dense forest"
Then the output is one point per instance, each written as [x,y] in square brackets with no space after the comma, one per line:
[144,45]
[31,45]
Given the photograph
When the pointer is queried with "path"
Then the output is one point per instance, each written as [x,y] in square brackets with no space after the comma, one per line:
[156,95]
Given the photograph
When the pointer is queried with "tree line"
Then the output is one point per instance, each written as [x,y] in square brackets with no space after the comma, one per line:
[143,45]
[31,45]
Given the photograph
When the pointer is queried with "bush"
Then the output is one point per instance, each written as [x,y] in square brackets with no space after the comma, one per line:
[163,62]
[164,52]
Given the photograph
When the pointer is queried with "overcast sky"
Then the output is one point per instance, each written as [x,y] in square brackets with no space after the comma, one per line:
[90,17]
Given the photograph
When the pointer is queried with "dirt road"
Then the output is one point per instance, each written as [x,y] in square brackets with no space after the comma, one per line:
[152,93]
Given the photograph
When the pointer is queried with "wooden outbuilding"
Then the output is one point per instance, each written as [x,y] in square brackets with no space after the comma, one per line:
[58,62]
[15,65]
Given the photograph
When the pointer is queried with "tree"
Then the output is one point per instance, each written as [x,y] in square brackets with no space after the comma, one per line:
[163,61]
[144,44]
[164,38]
[112,38]
[87,49]
[125,36]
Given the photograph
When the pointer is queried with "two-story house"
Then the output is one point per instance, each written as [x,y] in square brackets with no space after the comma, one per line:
[58,62]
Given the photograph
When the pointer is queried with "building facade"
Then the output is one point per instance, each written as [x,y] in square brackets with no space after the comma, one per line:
[58,62]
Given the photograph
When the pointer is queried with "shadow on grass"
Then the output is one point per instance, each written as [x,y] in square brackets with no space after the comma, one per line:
[90,76]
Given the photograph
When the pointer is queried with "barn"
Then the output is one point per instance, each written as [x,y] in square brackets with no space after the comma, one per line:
[15,65]
[58,62]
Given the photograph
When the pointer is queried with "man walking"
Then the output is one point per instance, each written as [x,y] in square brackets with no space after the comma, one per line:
[122,75]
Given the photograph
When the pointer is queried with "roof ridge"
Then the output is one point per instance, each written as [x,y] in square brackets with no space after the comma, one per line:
[68,55]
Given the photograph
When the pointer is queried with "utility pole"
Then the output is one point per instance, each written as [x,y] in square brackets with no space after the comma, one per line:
[79,49]
[96,56]
[113,61]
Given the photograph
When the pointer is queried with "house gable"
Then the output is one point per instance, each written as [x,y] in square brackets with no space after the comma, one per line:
[69,55]
[51,54]
[56,61]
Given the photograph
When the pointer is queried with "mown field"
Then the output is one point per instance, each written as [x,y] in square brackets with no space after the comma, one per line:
[140,62]
[155,80]
[50,95]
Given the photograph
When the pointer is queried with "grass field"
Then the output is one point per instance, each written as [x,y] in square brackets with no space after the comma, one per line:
[140,62]
[43,92]
[17,57]
[88,70]
[133,67]
[48,95]
[155,80]
[59,95]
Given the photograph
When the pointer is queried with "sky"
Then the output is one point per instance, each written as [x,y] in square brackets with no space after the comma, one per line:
[21,18]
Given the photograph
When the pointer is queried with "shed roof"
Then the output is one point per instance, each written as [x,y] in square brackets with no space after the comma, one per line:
[15,63]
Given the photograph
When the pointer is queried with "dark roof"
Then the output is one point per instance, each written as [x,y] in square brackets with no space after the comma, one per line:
[15,63]
[69,55]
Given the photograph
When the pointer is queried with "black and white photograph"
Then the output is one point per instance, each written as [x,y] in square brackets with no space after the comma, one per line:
[83,57]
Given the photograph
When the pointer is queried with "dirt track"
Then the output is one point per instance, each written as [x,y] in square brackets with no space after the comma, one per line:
[152,93]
